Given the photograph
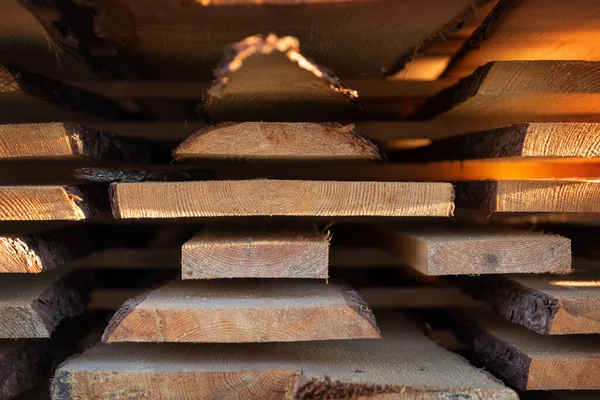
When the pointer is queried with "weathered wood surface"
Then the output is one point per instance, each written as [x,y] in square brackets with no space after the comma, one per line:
[23,365]
[39,252]
[279,198]
[547,304]
[404,363]
[513,92]
[470,251]
[532,30]
[530,361]
[529,196]
[243,311]
[38,203]
[67,140]
[267,78]
[171,40]
[277,141]
[33,305]
[217,253]
[559,139]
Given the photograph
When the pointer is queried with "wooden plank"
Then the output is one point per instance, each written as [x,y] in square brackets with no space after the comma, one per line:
[532,30]
[33,305]
[39,252]
[243,311]
[217,253]
[403,363]
[269,79]
[530,361]
[279,198]
[67,140]
[529,196]
[277,141]
[468,251]
[512,92]
[547,304]
[558,139]
[39,203]
[171,40]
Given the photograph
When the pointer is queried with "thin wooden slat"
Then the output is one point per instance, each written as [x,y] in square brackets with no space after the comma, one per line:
[243,311]
[403,363]
[39,203]
[468,251]
[33,305]
[547,304]
[283,198]
[529,361]
[257,253]
[277,141]
[529,196]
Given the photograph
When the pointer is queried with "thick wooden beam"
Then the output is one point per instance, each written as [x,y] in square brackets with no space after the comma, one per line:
[512,92]
[469,251]
[277,141]
[39,203]
[243,311]
[403,363]
[530,361]
[529,196]
[547,304]
[258,253]
[31,306]
[279,198]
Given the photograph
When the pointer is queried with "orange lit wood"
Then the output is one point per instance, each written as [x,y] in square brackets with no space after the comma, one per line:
[403,363]
[528,360]
[470,251]
[529,196]
[243,311]
[548,304]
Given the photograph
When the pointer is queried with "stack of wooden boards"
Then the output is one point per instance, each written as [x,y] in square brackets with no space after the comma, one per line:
[290,175]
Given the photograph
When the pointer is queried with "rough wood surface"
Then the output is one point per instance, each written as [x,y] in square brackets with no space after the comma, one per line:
[243,311]
[512,92]
[529,196]
[23,364]
[256,253]
[280,198]
[469,251]
[404,363]
[39,252]
[38,203]
[267,78]
[277,141]
[67,140]
[31,306]
[561,139]
[547,304]
[530,361]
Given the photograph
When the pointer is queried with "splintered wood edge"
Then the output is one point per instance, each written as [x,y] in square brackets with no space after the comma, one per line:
[334,141]
[236,53]
[8,83]
[24,367]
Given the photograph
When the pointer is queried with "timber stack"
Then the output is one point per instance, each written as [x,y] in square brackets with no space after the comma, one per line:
[314,199]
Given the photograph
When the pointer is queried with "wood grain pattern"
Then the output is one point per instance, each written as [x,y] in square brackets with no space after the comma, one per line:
[33,305]
[277,141]
[285,198]
[243,311]
[529,196]
[469,251]
[39,203]
[256,253]
[547,304]
[529,361]
[404,363]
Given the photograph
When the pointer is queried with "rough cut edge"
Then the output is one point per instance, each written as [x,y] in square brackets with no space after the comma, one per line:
[360,307]
[454,95]
[81,207]
[21,248]
[8,84]
[235,54]
[127,308]
[24,368]
[101,175]
[61,300]
[347,130]
[477,195]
